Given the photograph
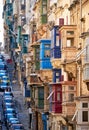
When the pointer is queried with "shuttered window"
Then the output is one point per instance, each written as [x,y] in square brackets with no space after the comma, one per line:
[85,116]
[44,12]
[41,97]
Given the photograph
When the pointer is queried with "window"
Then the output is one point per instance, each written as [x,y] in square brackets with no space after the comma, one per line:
[63,88]
[57,74]
[58,89]
[85,116]
[23,2]
[57,40]
[44,18]
[64,97]
[37,57]
[70,42]
[44,9]
[44,2]
[37,50]
[71,87]
[57,80]
[34,28]
[47,46]
[57,31]
[85,105]
[58,97]
[70,32]
[52,37]
[47,53]
[71,97]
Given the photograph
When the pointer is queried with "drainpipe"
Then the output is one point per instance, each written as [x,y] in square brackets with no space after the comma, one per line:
[80,16]
[79,84]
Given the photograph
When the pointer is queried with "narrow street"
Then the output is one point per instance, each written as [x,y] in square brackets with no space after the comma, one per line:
[20,106]
[18,98]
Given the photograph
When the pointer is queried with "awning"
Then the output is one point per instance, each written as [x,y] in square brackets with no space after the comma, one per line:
[50,95]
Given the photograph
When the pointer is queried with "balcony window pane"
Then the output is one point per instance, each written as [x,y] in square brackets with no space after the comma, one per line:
[71,97]
[58,97]
[57,74]
[85,116]
[57,80]
[44,9]
[47,46]
[71,87]
[70,42]
[86,73]
[70,32]
[47,53]
[57,40]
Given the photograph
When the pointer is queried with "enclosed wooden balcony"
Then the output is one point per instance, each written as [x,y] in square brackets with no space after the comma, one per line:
[34,79]
[69,42]
[68,94]
[68,53]
[86,61]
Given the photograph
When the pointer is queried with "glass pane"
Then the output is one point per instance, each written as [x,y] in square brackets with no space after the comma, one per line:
[58,97]
[23,2]
[57,40]
[47,53]
[44,18]
[85,116]
[70,42]
[41,103]
[57,74]
[44,10]
[70,32]
[52,38]
[47,46]
[44,2]
[71,87]
[71,97]
[85,105]
[58,89]
[57,80]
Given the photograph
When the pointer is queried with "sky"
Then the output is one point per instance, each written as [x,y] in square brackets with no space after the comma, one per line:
[1,22]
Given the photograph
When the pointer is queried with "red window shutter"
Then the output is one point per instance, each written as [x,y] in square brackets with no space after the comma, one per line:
[61,22]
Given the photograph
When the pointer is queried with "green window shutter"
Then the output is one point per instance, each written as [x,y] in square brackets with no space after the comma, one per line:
[40,104]
[37,57]
[23,43]
[19,35]
[44,12]
[41,97]
[37,65]
[44,19]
